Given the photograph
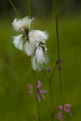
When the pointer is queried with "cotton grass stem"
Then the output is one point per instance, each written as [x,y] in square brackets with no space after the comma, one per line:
[30,8]
[17,13]
[33,83]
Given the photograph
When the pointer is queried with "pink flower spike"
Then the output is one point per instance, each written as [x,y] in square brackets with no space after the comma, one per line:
[43,91]
[67,108]
[60,107]
[59,115]
[39,92]
[39,84]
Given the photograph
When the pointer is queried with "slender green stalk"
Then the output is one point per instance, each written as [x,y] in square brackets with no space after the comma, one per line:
[46,104]
[53,71]
[15,9]
[29,8]
[51,98]
[58,50]
[51,95]
[33,83]
[38,108]
[58,46]
[33,95]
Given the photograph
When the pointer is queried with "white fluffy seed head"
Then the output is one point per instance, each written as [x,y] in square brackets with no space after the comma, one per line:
[18,41]
[36,65]
[21,24]
[29,48]
[40,59]
[38,36]
[41,55]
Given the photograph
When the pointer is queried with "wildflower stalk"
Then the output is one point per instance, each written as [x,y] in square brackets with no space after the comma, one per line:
[17,13]
[51,98]
[38,109]
[33,95]
[29,8]
[46,104]
[58,47]
[54,69]
[51,95]
[58,50]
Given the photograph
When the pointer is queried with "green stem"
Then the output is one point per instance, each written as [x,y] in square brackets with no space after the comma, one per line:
[33,97]
[58,50]
[17,13]
[45,104]
[58,46]
[38,108]
[29,8]
[51,95]
[53,71]
[51,99]
[33,83]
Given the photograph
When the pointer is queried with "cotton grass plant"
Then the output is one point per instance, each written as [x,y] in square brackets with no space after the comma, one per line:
[33,43]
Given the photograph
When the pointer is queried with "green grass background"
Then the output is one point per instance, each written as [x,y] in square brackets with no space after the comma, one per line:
[16,72]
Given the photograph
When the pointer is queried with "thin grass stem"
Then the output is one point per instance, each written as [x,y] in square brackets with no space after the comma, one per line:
[30,9]
[45,104]
[17,13]
[51,95]
[58,46]
[33,95]
[33,84]
[53,71]
[58,51]
[39,119]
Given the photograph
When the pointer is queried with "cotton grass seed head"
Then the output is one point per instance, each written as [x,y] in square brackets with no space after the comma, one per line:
[38,36]
[34,46]
[21,24]
[18,41]
[40,58]
[29,48]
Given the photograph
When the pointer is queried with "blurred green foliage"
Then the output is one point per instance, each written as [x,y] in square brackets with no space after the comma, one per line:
[16,72]
[40,8]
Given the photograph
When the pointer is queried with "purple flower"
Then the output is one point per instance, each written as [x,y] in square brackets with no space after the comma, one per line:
[66,108]
[40,93]
[59,115]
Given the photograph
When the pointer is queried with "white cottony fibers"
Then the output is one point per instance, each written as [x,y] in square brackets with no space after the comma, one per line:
[36,65]
[29,48]
[38,36]
[18,41]
[35,42]
[20,24]
[40,55]
[40,58]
